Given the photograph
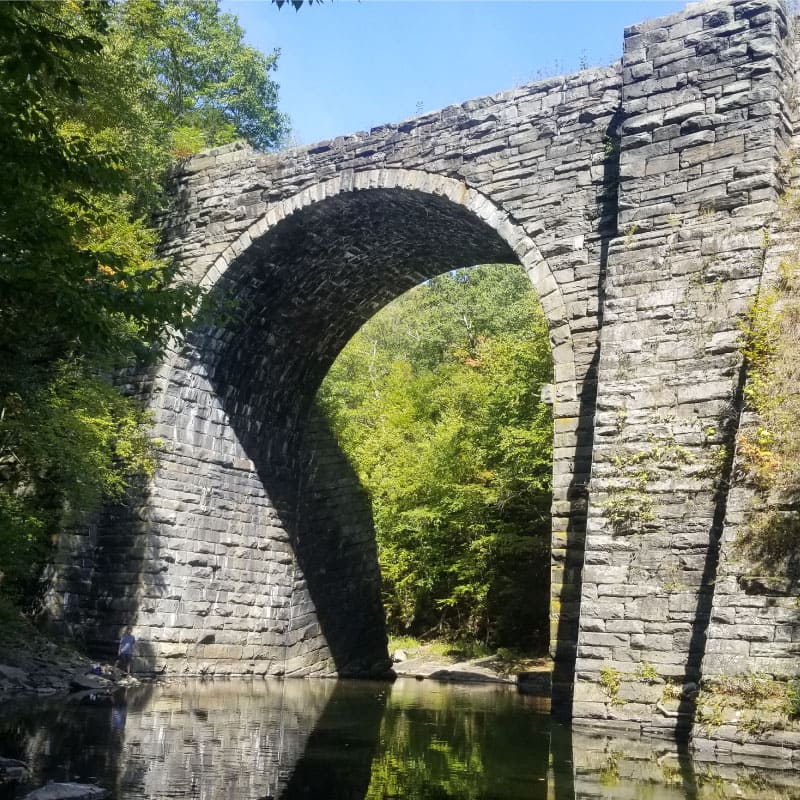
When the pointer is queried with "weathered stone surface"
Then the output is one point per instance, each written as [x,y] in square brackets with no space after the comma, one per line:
[669,344]
[13,674]
[12,771]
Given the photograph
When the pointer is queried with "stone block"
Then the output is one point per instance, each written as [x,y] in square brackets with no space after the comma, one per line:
[733,146]
[728,647]
[650,642]
[604,639]
[640,692]
[649,608]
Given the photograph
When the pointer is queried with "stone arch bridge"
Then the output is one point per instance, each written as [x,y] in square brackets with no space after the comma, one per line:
[636,197]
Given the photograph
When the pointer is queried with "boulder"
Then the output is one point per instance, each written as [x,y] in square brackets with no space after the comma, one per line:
[12,770]
[13,673]
[89,681]
[68,791]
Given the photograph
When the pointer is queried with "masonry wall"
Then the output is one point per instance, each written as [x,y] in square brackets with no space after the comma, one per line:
[706,128]
[755,621]
[310,243]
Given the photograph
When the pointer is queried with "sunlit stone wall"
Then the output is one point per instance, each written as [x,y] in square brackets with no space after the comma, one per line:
[706,135]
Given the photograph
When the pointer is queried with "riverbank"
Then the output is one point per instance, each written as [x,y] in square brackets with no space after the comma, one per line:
[33,664]
[30,662]
[441,662]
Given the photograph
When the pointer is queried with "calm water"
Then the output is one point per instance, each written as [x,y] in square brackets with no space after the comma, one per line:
[325,739]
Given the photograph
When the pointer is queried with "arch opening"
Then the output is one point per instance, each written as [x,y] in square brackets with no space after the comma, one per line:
[262,533]
[437,403]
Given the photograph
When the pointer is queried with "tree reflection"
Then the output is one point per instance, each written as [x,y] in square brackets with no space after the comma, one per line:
[457,742]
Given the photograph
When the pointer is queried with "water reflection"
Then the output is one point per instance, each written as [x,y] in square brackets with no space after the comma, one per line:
[468,742]
[609,767]
[341,740]
[339,752]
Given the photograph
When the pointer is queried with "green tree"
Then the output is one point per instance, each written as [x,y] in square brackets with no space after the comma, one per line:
[436,402]
[209,87]
[83,291]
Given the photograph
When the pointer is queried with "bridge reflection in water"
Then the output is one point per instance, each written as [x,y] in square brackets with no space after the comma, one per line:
[348,740]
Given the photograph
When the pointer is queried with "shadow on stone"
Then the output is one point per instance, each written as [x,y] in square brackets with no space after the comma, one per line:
[337,760]
[561,758]
[124,553]
[300,293]
[705,595]
[569,599]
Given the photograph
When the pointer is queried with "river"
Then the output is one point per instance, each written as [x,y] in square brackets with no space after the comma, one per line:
[262,740]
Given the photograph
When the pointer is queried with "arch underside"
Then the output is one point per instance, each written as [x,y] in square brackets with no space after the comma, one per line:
[300,292]
[260,552]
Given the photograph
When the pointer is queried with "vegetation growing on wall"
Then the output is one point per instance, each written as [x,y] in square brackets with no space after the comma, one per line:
[752,702]
[769,447]
[629,507]
[90,115]
[436,401]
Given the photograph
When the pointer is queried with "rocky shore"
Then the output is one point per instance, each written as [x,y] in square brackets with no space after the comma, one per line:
[51,670]
[532,676]
[33,664]
[30,663]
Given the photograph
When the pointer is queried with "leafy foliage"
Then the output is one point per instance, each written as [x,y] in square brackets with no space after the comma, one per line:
[436,402]
[208,86]
[770,449]
[793,699]
[65,446]
[753,701]
[610,680]
[83,291]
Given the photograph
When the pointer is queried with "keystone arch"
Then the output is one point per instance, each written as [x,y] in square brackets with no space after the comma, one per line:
[525,249]
[314,538]
[210,565]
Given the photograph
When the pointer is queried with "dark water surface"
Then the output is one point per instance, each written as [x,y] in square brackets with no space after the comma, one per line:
[220,740]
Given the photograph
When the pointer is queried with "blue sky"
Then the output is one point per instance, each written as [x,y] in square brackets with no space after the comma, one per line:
[347,66]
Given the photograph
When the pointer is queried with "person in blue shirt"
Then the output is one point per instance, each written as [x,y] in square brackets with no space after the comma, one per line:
[125,651]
